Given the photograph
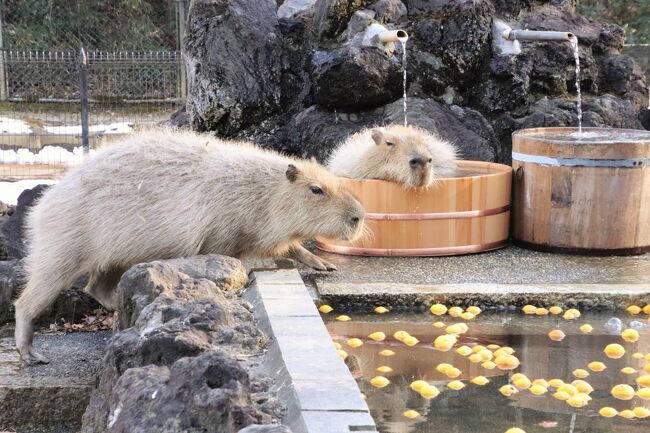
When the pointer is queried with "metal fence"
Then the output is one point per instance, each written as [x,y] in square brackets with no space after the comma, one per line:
[42,124]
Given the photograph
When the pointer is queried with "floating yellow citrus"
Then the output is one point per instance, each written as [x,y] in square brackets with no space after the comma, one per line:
[646,309]
[541,311]
[489,365]
[515,430]
[381,310]
[628,370]
[634,309]
[637,355]
[522,382]
[623,392]
[480,380]
[596,366]
[452,372]
[508,390]
[438,309]
[429,392]
[579,372]
[608,412]
[387,352]
[643,380]
[377,336]
[410,341]
[555,310]
[641,412]
[627,413]
[379,381]
[355,342]
[561,395]
[506,362]
[475,358]
[454,329]
[556,335]
[443,366]
[417,385]
[445,342]
[411,414]
[343,318]
[541,382]
[493,346]
[643,393]
[337,345]
[467,315]
[456,385]
[455,311]
[384,369]
[630,335]
[529,309]
[538,389]
[582,386]
[576,401]
[614,350]
[439,324]
[568,388]
[464,350]
[556,383]
[400,335]
[342,353]
[586,328]
[476,310]
[325,309]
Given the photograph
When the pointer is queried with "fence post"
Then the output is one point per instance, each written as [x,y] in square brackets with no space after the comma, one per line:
[83,95]
[3,76]
[182,79]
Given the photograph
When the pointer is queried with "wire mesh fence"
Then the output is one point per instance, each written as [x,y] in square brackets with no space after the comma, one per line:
[41,130]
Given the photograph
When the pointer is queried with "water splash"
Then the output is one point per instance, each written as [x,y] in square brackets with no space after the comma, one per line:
[576,55]
[404,79]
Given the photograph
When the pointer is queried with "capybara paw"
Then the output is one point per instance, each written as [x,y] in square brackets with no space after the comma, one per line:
[31,356]
[328,265]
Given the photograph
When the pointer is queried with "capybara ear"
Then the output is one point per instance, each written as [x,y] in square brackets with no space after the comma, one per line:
[377,135]
[292,173]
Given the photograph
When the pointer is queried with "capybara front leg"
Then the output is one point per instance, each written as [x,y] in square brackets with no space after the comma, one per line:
[303,255]
[102,285]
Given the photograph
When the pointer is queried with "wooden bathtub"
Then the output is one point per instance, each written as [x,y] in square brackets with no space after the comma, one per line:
[457,215]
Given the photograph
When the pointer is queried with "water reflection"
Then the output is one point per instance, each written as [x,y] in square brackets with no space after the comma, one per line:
[482,408]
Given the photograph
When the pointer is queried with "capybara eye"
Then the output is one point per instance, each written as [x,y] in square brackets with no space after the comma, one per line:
[390,143]
[429,160]
[316,190]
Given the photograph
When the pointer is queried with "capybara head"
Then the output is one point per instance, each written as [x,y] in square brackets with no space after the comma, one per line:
[321,206]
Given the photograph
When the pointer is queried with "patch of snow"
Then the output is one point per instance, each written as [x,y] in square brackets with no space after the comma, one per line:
[47,155]
[9,191]
[14,126]
[111,128]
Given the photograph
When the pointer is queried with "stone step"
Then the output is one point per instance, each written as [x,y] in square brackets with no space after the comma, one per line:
[50,398]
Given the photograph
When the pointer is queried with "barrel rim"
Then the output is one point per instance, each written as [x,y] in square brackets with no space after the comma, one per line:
[521,135]
[584,251]
[499,170]
[411,252]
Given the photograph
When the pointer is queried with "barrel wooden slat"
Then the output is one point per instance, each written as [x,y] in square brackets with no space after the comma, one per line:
[417,222]
[581,209]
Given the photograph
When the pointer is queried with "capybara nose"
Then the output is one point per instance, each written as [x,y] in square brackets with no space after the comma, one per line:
[354,221]
[417,162]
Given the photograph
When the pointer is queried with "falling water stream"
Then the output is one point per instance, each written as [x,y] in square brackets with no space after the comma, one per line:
[404,78]
[576,55]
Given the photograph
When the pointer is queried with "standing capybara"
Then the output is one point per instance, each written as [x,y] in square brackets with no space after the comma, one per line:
[404,154]
[165,194]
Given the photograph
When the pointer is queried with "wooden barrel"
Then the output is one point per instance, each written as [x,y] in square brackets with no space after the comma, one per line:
[458,215]
[586,196]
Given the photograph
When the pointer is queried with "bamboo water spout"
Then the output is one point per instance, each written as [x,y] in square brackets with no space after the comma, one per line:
[536,35]
[393,36]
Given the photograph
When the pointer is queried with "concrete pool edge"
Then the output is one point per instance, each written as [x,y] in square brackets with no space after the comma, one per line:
[319,390]
[419,296]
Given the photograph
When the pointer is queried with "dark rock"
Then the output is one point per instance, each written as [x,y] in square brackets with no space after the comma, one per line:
[621,76]
[610,40]
[180,118]
[358,78]
[11,280]
[13,229]
[427,7]
[644,118]
[232,49]
[331,16]
[389,11]
[295,83]
[194,278]
[562,20]
[207,393]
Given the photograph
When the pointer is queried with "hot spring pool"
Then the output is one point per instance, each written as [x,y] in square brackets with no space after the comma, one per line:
[483,408]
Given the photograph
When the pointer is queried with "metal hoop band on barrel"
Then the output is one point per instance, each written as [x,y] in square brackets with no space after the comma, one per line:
[435,215]
[580,162]
[410,252]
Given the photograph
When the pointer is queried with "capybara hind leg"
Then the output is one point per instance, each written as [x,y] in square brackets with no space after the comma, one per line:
[103,287]
[40,292]
[303,255]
